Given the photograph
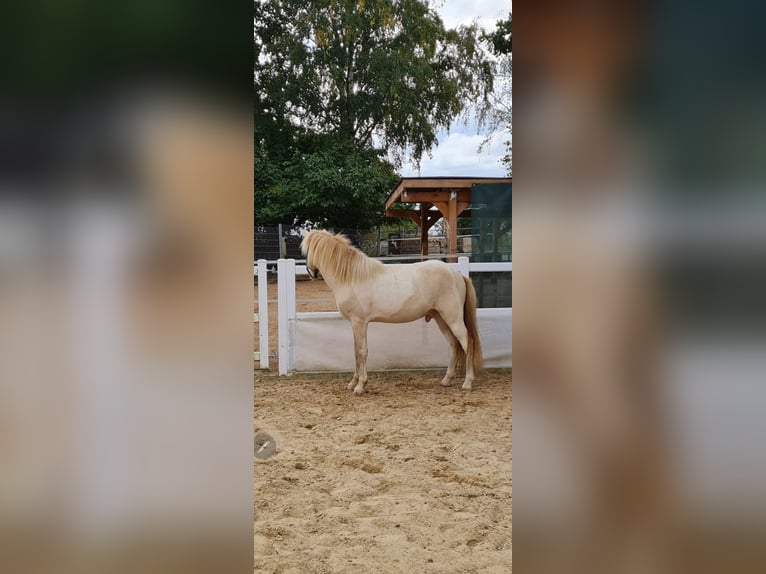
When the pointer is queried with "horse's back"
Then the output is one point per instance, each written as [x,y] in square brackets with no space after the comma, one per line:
[444,284]
[408,291]
[438,270]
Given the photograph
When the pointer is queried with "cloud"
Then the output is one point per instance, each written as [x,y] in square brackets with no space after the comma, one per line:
[487,12]
[458,155]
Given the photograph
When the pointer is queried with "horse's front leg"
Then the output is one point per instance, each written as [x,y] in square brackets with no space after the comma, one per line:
[355,379]
[360,348]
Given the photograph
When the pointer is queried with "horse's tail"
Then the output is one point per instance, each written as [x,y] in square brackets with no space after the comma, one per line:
[469,317]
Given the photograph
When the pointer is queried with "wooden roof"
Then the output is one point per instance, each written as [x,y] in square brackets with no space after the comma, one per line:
[434,185]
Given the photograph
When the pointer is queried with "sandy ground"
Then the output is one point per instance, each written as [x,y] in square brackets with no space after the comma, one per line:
[410,477]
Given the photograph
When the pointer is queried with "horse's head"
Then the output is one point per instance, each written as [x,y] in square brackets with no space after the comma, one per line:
[306,245]
[332,255]
[313,272]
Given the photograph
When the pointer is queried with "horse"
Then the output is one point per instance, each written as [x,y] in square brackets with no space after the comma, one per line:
[367,291]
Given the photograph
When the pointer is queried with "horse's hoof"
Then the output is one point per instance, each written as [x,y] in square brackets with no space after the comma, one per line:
[351,385]
[466,386]
[445,383]
[358,391]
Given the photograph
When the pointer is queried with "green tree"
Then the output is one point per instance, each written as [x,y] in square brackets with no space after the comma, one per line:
[345,90]
[335,184]
[497,113]
[501,39]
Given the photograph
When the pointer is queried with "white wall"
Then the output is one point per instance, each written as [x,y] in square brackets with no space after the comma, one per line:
[324,342]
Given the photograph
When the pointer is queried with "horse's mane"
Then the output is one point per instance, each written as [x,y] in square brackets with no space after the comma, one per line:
[335,255]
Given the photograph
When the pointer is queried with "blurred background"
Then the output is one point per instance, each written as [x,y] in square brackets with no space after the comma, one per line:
[125,296]
[639,325]
[126,158]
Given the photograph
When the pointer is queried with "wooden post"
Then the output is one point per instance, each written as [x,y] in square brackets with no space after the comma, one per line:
[424,229]
[452,226]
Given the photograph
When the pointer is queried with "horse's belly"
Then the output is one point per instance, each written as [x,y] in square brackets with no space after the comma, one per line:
[402,312]
[397,317]
[396,298]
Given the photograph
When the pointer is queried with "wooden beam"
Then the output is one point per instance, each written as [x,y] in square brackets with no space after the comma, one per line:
[443,207]
[421,183]
[451,183]
[433,218]
[411,213]
[416,216]
[434,196]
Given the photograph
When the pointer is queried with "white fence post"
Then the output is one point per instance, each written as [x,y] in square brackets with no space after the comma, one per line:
[285,313]
[291,315]
[463,265]
[263,314]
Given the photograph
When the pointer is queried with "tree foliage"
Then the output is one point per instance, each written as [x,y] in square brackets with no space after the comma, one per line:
[334,184]
[350,88]
[501,38]
[498,112]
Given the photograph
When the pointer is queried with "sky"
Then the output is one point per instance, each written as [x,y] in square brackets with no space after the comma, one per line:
[457,152]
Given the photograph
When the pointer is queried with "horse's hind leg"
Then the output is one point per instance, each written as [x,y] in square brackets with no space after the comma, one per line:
[460,332]
[454,347]
[360,346]
[452,315]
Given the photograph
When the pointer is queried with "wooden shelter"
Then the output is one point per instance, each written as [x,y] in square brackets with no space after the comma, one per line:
[436,197]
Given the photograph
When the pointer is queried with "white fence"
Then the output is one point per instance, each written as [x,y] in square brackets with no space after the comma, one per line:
[262,317]
[322,341]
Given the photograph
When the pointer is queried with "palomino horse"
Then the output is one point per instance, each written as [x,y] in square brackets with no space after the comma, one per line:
[367,291]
